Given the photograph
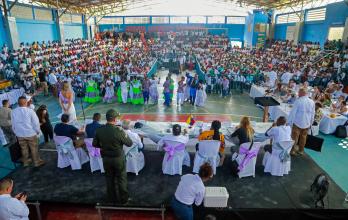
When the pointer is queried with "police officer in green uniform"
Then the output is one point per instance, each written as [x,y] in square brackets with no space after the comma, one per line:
[110,138]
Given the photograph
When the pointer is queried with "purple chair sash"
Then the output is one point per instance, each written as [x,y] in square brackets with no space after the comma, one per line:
[171,149]
[248,156]
[94,152]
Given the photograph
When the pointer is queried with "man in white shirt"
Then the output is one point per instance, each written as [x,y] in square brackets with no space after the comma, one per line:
[52,81]
[12,208]
[26,126]
[132,135]
[285,78]
[190,191]
[301,118]
[273,77]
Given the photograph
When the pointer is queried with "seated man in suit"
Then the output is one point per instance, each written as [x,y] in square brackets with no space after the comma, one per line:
[92,127]
[64,129]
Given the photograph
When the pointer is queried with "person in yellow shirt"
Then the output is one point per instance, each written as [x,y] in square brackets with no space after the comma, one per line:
[214,134]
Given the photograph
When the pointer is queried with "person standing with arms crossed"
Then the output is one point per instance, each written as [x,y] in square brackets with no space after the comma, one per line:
[110,138]
[301,118]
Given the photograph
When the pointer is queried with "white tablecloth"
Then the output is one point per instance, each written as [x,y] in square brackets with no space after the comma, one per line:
[12,96]
[227,128]
[257,91]
[281,110]
[328,125]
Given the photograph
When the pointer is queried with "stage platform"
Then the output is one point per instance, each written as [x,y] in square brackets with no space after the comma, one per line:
[152,189]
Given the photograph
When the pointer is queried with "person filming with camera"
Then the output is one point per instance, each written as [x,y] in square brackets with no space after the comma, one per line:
[12,208]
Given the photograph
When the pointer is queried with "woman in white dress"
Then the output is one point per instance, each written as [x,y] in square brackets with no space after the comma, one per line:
[66,102]
[109,91]
[153,90]
[200,95]
[124,91]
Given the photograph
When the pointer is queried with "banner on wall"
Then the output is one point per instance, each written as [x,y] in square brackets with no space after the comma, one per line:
[290,33]
[260,40]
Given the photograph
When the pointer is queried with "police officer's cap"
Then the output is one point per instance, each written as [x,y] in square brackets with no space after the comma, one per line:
[112,114]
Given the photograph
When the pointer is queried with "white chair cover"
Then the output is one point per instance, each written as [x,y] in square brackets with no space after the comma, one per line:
[135,160]
[95,159]
[208,152]
[68,155]
[279,162]
[247,159]
[314,130]
[175,157]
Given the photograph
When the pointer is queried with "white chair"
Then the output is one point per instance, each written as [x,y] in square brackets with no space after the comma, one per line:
[175,157]
[95,159]
[247,159]
[314,130]
[135,160]
[208,152]
[279,162]
[68,155]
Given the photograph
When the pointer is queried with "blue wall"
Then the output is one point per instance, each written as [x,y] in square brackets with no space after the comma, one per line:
[74,31]
[32,30]
[280,31]
[259,18]
[317,31]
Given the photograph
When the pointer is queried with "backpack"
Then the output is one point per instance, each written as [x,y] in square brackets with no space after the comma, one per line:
[341,131]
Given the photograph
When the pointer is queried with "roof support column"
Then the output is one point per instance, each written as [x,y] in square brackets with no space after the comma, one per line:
[60,27]
[10,27]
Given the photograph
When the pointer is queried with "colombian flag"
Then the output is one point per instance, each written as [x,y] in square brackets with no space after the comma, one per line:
[190,120]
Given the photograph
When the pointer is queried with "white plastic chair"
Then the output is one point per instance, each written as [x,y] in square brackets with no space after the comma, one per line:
[208,152]
[135,160]
[247,159]
[175,157]
[279,162]
[68,155]
[95,159]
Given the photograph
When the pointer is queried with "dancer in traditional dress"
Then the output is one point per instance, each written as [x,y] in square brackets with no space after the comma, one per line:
[187,87]
[92,93]
[137,94]
[171,87]
[166,91]
[122,92]
[153,90]
[146,89]
[193,89]
[181,87]
[200,95]
[109,90]
[66,102]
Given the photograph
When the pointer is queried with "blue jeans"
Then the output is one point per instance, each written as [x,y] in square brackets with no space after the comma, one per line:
[167,98]
[192,95]
[146,96]
[181,211]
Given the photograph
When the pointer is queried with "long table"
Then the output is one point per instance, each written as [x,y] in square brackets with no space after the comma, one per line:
[12,96]
[163,128]
[327,124]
